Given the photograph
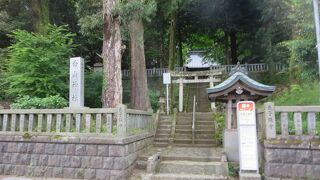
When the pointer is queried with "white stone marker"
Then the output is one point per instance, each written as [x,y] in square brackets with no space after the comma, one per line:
[247,138]
[76,87]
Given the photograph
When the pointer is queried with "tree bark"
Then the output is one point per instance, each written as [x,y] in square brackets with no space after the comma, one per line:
[139,86]
[172,52]
[40,15]
[233,47]
[172,40]
[226,44]
[111,53]
[180,58]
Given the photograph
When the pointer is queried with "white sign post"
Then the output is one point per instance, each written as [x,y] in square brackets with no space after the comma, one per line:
[76,90]
[167,81]
[247,136]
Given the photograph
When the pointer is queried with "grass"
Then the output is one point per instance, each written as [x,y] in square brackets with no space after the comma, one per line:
[296,95]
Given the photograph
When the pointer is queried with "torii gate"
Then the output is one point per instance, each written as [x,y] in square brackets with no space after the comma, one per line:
[185,77]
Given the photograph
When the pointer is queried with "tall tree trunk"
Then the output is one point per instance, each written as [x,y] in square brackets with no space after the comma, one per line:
[139,86]
[233,47]
[40,15]
[226,44]
[172,52]
[172,40]
[180,58]
[111,53]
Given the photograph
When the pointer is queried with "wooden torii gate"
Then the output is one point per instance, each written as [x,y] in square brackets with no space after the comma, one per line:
[210,76]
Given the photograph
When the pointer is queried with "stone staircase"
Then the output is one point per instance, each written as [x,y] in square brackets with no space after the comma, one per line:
[163,132]
[180,163]
[200,91]
[204,130]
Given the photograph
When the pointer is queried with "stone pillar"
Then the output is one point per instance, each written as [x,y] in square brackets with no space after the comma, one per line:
[213,105]
[180,94]
[76,87]
[229,114]
[122,120]
[270,121]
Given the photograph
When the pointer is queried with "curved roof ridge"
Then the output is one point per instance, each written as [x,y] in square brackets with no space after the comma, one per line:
[242,77]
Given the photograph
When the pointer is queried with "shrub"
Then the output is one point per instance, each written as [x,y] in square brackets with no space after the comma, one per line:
[219,120]
[93,89]
[51,102]
[154,100]
[38,64]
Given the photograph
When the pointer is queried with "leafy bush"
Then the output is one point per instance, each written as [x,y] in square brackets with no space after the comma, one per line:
[219,120]
[306,94]
[154,100]
[93,89]
[38,64]
[51,102]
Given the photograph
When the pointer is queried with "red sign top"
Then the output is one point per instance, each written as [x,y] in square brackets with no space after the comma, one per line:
[245,106]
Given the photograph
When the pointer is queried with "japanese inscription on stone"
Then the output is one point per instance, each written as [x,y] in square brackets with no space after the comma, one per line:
[270,122]
[76,90]
[298,123]
[284,124]
[311,123]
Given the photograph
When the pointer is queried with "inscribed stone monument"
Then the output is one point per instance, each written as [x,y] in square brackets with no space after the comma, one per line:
[76,90]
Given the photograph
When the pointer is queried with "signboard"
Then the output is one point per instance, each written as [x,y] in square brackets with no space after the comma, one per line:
[166,78]
[247,135]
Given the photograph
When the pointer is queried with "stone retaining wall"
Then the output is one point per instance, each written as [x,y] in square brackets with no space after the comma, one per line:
[70,157]
[296,158]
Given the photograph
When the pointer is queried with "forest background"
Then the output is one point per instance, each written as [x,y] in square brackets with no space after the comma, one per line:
[37,37]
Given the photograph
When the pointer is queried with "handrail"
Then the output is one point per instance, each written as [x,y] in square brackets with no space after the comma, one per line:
[193,118]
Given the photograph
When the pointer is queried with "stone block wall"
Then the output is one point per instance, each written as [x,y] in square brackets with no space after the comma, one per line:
[80,158]
[296,158]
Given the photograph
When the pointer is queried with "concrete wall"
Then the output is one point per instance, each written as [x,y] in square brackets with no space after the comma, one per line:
[296,158]
[70,157]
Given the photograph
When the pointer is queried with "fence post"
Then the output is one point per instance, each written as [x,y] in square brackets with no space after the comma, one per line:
[270,120]
[122,120]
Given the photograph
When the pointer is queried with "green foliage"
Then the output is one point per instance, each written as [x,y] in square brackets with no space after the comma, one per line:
[3,82]
[233,170]
[51,102]
[90,20]
[38,64]
[139,9]
[154,100]
[305,94]
[219,120]
[93,89]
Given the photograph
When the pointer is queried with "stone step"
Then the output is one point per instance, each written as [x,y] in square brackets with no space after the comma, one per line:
[163,131]
[165,123]
[141,164]
[197,131]
[198,114]
[196,141]
[192,167]
[191,158]
[197,122]
[160,144]
[167,135]
[164,176]
[160,139]
[196,126]
[164,126]
[197,145]
[197,136]
[183,141]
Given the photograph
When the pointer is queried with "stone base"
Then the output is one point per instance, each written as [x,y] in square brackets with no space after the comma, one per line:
[230,144]
[250,176]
